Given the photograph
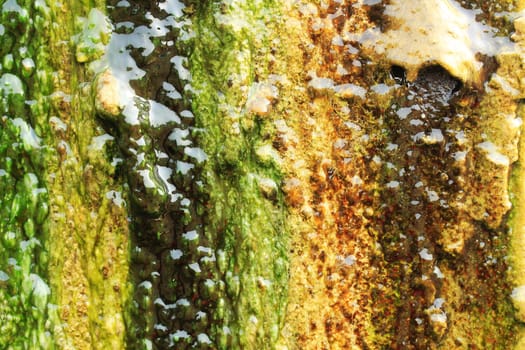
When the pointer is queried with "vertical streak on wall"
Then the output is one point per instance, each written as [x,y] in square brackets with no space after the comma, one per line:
[244,211]
[420,228]
[88,229]
[517,189]
[327,185]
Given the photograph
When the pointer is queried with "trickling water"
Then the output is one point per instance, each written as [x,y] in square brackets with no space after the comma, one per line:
[161,171]
[188,261]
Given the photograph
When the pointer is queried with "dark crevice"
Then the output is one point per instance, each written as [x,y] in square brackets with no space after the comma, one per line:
[399,74]
[167,230]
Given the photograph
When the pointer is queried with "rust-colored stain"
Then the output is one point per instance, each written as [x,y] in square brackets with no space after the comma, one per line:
[332,278]
[397,240]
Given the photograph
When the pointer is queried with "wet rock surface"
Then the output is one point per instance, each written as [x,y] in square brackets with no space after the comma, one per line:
[286,174]
[172,264]
[427,157]
[399,200]
[196,204]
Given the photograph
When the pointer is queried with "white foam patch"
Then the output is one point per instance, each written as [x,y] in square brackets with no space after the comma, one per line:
[349,90]
[518,294]
[178,64]
[425,255]
[124,68]
[146,285]
[184,167]
[115,197]
[179,334]
[146,178]
[190,235]
[195,267]
[172,7]
[321,83]
[434,31]
[203,338]
[27,133]
[179,136]
[171,92]
[40,288]
[402,113]
[12,6]
[3,276]
[392,184]
[161,115]
[197,153]
[11,84]
[165,175]
[98,142]
[176,254]
[493,153]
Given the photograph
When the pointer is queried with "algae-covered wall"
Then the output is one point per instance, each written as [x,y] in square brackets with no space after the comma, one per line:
[64,259]
[228,174]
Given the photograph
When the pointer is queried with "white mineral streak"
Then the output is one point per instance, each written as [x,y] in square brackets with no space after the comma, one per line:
[435,32]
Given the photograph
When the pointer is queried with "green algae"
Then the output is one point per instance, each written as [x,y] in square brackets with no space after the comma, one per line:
[89,228]
[57,260]
[247,226]
[61,190]
[209,249]
[90,43]
[25,294]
